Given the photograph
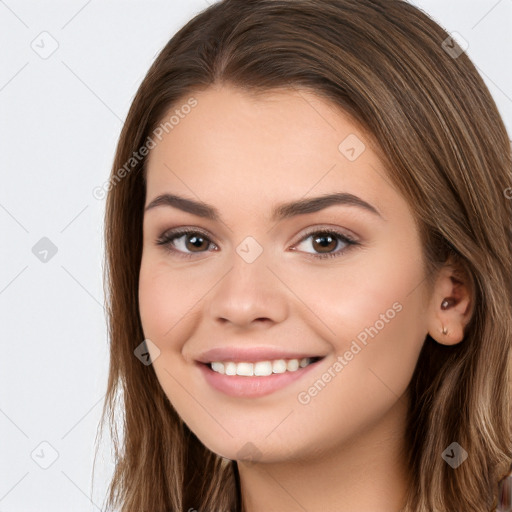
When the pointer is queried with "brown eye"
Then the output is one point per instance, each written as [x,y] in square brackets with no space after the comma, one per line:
[195,243]
[324,243]
[185,242]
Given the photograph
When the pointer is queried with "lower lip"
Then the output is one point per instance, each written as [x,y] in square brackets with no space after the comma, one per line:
[240,386]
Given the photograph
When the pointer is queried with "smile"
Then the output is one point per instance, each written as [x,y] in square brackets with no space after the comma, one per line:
[261,368]
[258,378]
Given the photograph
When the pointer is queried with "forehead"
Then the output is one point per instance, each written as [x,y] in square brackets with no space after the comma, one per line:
[235,146]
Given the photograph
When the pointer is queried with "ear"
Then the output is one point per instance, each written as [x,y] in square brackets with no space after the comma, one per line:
[451,305]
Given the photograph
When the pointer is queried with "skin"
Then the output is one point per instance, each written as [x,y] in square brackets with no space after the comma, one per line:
[344,449]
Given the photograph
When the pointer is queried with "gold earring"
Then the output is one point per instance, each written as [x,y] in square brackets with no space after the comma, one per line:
[448,302]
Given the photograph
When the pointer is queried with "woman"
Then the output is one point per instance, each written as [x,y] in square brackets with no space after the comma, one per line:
[308,242]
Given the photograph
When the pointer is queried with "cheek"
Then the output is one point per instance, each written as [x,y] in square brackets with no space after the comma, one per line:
[153,295]
[377,306]
[164,301]
[376,316]
[356,295]
[171,299]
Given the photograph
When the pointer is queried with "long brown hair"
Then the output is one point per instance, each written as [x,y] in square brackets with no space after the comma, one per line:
[435,125]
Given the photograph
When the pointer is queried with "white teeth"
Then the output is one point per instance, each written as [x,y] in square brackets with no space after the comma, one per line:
[261,368]
[230,368]
[245,369]
[218,367]
[279,366]
[292,365]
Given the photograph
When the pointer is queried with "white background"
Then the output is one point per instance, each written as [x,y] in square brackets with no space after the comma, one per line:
[60,118]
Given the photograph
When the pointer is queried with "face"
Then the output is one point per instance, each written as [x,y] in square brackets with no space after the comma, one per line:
[246,280]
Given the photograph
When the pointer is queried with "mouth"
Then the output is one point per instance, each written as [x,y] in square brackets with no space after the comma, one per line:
[261,368]
[256,378]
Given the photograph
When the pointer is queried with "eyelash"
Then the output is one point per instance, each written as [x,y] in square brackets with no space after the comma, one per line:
[167,238]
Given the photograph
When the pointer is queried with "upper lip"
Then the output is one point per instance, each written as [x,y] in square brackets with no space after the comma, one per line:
[250,354]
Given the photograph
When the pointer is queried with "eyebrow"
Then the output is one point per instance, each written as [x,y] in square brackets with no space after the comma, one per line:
[280,212]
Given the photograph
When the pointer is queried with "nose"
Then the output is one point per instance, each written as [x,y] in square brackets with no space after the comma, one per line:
[249,293]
